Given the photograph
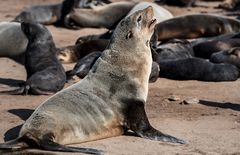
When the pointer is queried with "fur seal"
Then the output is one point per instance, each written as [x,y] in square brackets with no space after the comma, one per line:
[206,49]
[13,41]
[53,14]
[160,13]
[44,14]
[107,35]
[195,26]
[106,16]
[108,100]
[176,60]
[73,53]
[85,64]
[174,49]
[45,74]
[198,69]
[230,4]
[231,56]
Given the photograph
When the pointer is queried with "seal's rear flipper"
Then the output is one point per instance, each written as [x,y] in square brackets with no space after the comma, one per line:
[12,145]
[137,121]
[28,141]
[18,91]
[52,146]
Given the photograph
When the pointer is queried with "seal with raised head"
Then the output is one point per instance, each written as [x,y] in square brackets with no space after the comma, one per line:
[107,102]
[45,74]
[195,26]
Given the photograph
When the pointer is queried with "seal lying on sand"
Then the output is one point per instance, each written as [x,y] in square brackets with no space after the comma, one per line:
[45,74]
[73,53]
[106,16]
[108,100]
[207,48]
[195,26]
[52,14]
[198,69]
[174,49]
[12,39]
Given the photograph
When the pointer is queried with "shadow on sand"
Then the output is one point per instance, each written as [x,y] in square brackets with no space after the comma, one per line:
[24,114]
[227,105]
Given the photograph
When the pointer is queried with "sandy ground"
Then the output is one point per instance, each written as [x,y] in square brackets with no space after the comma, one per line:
[211,126]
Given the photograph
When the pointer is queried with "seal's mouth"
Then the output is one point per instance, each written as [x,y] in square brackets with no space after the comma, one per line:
[152,23]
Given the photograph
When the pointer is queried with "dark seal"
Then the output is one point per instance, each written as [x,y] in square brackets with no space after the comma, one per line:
[45,74]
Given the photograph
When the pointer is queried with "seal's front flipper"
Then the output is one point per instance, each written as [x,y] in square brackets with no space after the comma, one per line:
[154,134]
[137,121]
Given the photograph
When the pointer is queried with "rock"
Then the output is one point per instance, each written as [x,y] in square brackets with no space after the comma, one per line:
[190,100]
[173,98]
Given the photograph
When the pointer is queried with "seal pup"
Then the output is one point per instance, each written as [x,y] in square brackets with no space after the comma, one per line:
[198,69]
[73,53]
[207,48]
[231,56]
[106,16]
[174,49]
[83,65]
[13,41]
[109,100]
[45,74]
[195,26]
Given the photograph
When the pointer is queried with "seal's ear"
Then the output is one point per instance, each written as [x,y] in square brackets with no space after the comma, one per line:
[129,35]
[26,28]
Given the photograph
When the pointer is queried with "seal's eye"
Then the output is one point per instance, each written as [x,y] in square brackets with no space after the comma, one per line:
[129,35]
[139,19]
[122,23]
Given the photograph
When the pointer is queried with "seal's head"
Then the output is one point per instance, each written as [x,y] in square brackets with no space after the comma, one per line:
[35,32]
[135,28]
[231,56]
